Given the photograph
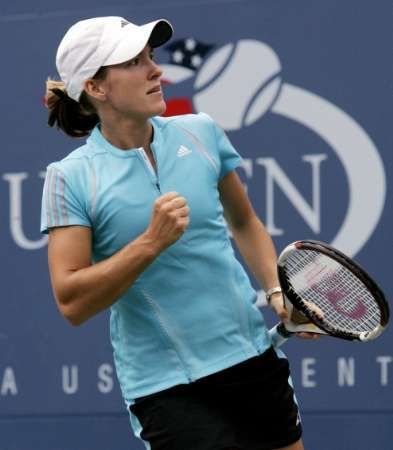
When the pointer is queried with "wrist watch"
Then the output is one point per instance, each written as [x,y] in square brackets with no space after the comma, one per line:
[272,291]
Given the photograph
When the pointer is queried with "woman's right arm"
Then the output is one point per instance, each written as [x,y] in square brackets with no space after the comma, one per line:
[81,289]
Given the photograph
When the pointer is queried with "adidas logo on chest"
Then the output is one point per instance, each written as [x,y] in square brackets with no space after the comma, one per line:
[183,151]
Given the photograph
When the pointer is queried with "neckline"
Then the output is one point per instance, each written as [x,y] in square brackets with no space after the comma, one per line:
[98,139]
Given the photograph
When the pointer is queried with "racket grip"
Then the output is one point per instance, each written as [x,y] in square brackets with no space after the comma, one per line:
[279,334]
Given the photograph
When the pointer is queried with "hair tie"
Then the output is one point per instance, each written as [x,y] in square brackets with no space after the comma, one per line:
[60,93]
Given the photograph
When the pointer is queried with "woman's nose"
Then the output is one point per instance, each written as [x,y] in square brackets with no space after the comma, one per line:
[156,70]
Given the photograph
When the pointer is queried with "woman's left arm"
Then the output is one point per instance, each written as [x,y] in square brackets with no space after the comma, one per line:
[253,241]
[251,237]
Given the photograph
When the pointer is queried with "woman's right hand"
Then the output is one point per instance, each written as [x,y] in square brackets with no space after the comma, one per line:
[170,218]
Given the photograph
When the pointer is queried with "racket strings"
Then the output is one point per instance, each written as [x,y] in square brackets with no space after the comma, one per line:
[349,308]
[359,291]
[345,301]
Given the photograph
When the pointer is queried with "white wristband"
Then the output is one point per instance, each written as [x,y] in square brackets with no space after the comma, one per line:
[272,291]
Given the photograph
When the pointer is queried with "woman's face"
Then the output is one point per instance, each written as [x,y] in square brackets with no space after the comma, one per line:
[133,88]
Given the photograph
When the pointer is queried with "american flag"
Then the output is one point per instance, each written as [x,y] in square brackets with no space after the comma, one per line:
[188,52]
[185,57]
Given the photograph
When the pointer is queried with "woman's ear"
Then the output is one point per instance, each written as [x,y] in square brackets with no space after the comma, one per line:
[95,89]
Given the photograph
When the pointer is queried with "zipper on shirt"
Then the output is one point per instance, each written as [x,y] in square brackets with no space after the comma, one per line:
[153,174]
[156,171]
[172,338]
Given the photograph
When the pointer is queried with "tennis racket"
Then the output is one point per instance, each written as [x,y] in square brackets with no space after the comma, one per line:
[326,292]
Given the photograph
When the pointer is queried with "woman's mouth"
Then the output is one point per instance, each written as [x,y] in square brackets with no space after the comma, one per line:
[154,90]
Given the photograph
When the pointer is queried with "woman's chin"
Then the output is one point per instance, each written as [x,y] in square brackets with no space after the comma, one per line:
[160,109]
[163,107]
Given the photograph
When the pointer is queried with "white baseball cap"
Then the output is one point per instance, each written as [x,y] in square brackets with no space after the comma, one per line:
[103,41]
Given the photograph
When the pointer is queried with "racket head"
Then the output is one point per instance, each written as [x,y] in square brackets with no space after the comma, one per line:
[354,306]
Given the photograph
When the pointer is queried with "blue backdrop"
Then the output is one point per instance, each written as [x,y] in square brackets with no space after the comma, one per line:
[303,90]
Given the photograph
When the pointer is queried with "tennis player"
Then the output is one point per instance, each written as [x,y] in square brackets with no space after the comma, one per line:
[135,218]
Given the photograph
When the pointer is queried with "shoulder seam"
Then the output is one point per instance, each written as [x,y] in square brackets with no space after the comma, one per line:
[178,118]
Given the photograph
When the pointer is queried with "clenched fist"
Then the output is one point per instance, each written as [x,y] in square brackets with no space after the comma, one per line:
[169,220]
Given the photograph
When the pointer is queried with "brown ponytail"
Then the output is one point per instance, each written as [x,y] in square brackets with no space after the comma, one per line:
[76,119]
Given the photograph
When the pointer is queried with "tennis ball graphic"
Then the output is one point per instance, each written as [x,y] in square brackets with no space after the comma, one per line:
[238,83]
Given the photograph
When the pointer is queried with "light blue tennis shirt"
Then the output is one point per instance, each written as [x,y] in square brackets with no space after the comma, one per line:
[192,311]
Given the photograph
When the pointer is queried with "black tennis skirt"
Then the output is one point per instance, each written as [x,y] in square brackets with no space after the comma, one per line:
[249,406]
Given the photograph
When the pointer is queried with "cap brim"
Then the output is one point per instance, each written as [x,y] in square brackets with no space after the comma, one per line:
[155,33]
[160,32]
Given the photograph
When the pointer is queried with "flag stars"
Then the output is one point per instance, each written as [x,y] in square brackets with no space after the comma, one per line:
[190,44]
[196,61]
[188,52]
[178,56]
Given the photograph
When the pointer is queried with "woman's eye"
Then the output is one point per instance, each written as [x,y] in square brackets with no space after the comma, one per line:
[152,55]
[133,62]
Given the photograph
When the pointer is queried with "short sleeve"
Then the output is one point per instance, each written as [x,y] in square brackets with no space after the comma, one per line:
[229,157]
[62,203]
